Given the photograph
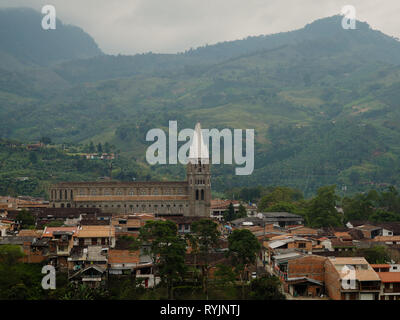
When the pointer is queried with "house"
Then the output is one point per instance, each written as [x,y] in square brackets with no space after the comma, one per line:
[127,225]
[82,257]
[282,219]
[382,267]
[184,224]
[370,231]
[302,231]
[92,276]
[339,245]
[279,261]
[60,245]
[3,229]
[351,279]
[388,239]
[67,216]
[390,285]
[95,235]
[305,276]
[122,261]
[218,207]
[36,251]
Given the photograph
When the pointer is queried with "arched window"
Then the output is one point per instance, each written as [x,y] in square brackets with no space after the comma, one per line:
[68,205]
[72,194]
[66,194]
[202,194]
[197,194]
[60,195]
[62,205]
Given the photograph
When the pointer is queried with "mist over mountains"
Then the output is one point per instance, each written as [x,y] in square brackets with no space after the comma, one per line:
[324,101]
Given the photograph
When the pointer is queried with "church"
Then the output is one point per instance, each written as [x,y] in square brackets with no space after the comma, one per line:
[163,198]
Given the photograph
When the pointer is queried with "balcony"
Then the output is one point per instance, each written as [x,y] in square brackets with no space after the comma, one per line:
[391,290]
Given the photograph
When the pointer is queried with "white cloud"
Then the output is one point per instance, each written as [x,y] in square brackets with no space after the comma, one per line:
[135,26]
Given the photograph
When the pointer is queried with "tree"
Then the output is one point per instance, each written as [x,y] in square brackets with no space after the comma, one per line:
[375,255]
[266,288]
[99,148]
[242,213]
[107,147]
[243,249]
[360,207]
[384,216]
[167,249]
[10,254]
[206,234]
[279,194]
[26,219]
[225,274]
[91,147]
[321,211]
[229,214]
[283,207]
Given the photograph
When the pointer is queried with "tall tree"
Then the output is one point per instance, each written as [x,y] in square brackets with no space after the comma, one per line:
[206,234]
[321,211]
[242,213]
[229,214]
[99,148]
[243,249]
[167,249]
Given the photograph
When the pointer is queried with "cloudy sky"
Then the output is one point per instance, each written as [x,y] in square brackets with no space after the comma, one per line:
[168,26]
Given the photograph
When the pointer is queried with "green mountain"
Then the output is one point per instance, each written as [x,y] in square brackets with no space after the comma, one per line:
[324,102]
[22,37]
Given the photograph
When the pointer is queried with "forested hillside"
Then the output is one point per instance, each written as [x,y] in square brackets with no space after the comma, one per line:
[324,102]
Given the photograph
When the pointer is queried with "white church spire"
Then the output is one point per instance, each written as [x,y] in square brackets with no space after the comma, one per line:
[198,150]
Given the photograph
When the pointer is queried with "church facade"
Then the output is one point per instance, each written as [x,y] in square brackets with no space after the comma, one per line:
[183,198]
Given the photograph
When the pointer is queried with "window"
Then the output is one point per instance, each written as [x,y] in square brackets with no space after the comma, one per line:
[302,245]
[202,194]
[197,194]
[131,192]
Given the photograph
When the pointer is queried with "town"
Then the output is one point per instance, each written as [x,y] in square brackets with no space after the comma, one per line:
[106,237]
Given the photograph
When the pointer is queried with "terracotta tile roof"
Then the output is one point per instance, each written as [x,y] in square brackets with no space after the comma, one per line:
[380,265]
[48,231]
[362,275]
[30,233]
[95,231]
[123,256]
[345,235]
[389,276]
[387,238]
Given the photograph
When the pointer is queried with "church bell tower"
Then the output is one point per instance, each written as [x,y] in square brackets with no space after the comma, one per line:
[198,176]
